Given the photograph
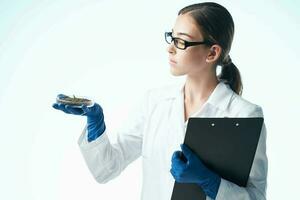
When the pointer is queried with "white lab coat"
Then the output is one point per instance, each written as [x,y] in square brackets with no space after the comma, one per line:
[157,129]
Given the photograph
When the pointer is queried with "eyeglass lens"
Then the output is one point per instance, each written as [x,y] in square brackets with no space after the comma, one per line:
[178,42]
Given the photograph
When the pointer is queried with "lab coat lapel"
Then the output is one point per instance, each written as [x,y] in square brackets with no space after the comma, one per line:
[177,117]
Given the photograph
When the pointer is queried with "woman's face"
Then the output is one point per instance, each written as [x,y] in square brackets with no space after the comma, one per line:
[192,60]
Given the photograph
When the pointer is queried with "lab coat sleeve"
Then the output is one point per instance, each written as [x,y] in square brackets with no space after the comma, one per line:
[257,182]
[107,160]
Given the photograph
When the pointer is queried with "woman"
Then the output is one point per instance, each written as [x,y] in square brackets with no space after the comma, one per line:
[200,41]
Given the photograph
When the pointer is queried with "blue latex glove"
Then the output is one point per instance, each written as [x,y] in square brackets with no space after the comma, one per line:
[95,117]
[188,168]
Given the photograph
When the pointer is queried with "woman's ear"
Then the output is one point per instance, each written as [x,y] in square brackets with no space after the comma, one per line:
[213,53]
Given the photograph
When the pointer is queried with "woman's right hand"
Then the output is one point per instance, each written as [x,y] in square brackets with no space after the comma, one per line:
[95,117]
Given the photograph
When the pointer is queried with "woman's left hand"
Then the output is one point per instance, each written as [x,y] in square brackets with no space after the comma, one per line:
[188,168]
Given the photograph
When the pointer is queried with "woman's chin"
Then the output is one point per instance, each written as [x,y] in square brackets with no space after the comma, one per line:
[175,72]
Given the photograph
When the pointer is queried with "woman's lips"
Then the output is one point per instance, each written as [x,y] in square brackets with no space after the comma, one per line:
[172,61]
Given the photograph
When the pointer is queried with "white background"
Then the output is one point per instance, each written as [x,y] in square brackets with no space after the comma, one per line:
[112,51]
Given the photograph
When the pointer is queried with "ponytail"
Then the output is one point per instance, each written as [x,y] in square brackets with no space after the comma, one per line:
[230,75]
[217,26]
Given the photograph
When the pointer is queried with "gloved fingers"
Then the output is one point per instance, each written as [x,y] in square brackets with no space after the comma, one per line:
[174,174]
[59,106]
[55,105]
[176,155]
[68,109]
[183,158]
[178,166]
[188,153]
[177,176]
[176,158]
[74,110]
[191,157]
[177,163]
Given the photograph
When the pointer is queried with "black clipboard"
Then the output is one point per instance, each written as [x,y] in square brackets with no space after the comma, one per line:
[225,145]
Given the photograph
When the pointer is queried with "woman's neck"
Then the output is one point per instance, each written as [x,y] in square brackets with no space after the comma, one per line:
[199,89]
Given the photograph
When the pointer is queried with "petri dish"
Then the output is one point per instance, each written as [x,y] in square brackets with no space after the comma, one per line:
[77,101]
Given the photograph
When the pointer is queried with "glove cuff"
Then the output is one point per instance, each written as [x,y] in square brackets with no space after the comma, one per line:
[95,127]
[212,187]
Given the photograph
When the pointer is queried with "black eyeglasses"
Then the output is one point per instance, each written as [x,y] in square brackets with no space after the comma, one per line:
[182,44]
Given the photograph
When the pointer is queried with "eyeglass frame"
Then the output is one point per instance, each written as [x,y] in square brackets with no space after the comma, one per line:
[186,43]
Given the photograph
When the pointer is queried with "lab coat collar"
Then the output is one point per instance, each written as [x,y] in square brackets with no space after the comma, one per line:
[219,98]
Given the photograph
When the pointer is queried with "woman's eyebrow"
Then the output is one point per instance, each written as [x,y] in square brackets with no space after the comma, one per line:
[180,33]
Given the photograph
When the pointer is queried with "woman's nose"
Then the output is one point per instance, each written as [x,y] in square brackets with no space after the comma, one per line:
[171,48]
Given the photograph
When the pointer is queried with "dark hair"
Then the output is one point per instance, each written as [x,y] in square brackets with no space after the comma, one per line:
[217,26]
